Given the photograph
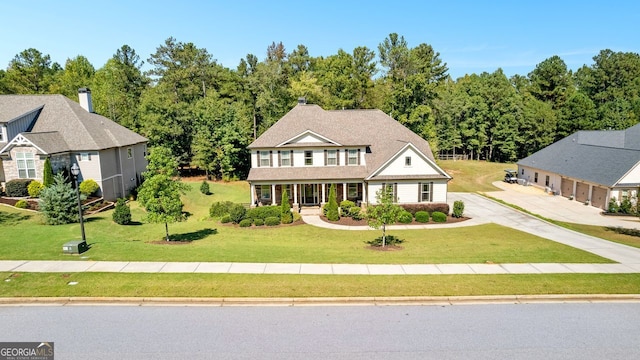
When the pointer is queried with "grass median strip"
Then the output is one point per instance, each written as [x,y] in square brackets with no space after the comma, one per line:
[242,285]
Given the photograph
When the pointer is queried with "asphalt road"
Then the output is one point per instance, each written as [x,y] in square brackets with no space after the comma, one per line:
[505,331]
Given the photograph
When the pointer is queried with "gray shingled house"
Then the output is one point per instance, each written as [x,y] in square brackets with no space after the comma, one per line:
[36,127]
[588,166]
[360,151]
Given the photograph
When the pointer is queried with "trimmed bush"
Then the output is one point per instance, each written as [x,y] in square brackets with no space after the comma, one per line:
[59,202]
[625,206]
[219,209]
[263,212]
[296,217]
[287,218]
[332,211]
[345,205]
[258,222]
[237,213]
[458,209]
[225,219]
[356,213]
[439,217]
[422,216]
[122,213]
[272,221]
[428,207]
[405,217]
[245,223]
[47,173]
[88,187]
[34,188]
[22,204]
[18,187]
[204,188]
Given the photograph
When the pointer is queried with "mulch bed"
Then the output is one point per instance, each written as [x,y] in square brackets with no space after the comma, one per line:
[33,204]
[347,221]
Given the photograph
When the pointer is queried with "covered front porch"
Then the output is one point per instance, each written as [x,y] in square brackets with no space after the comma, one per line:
[306,194]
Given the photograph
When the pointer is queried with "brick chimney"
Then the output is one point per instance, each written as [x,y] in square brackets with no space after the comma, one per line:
[84,94]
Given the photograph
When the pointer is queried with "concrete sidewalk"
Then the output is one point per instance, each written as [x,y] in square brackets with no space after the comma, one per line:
[40,266]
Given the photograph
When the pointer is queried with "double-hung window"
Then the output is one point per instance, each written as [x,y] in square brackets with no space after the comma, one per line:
[265,158]
[265,191]
[352,190]
[352,157]
[407,161]
[308,157]
[285,158]
[332,157]
[425,192]
[26,165]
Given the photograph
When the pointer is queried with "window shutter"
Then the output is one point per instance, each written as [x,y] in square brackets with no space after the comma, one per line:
[346,157]
[258,155]
[338,157]
[431,191]
[395,192]
[291,157]
[325,157]
[419,192]
[270,158]
[279,159]
[358,162]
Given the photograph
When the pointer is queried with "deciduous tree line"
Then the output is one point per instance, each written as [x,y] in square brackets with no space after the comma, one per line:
[207,114]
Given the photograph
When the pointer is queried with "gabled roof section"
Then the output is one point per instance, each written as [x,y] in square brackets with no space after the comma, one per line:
[10,114]
[351,128]
[601,157]
[79,129]
[306,138]
[428,160]
[21,140]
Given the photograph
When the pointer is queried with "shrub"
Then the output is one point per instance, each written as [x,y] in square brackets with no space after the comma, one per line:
[258,222]
[88,187]
[332,211]
[245,223]
[356,213]
[34,188]
[272,221]
[47,173]
[422,216]
[204,188]
[237,213]
[625,206]
[296,217]
[59,202]
[458,208]
[389,240]
[345,205]
[439,217]
[263,212]
[225,219]
[122,213]
[286,216]
[18,187]
[613,205]
[219,209]
[428,207]
[22,204]
[405,217]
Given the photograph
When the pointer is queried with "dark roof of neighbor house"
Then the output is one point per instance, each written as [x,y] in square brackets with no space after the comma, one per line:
[357,128]
[602,157]
[78,129]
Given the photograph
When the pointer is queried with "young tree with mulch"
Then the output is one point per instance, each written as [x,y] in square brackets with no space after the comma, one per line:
[384,212]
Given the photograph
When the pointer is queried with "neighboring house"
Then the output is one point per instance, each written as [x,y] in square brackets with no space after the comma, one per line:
[588,166]
[36,127]
[360,151]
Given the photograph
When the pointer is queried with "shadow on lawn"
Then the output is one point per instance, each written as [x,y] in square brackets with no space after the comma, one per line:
[12,218]
[192,236]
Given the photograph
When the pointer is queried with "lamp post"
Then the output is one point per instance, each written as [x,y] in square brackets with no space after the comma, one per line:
[75,171]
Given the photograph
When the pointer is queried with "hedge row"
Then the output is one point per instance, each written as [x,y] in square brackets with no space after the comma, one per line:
[428,207]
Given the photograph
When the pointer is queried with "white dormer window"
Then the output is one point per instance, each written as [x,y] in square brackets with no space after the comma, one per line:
[407,161]
[353,157]
[332,157]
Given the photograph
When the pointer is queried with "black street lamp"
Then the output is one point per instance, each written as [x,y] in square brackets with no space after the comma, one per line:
[75,171]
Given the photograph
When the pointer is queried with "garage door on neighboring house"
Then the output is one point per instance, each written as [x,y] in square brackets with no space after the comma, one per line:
[566,187]
[582,191]
[599,197]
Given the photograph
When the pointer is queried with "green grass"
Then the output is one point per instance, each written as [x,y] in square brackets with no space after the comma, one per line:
[245,285]
[474,176]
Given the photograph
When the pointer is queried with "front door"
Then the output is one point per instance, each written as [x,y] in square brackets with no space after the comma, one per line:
[310,194]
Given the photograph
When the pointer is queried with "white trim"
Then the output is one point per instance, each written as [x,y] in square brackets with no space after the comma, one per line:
[397,154]
[20,140]
[617,181]
[308,132]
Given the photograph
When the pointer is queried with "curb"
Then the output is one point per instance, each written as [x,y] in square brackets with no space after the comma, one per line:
[320,301]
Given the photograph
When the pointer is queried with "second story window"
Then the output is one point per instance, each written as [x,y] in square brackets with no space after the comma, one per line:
[407,161]
[332,157]
[353,157]
[265,158]
[285,158]
[308,157]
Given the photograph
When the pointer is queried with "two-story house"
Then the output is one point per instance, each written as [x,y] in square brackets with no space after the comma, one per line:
[359,151]
[36,127]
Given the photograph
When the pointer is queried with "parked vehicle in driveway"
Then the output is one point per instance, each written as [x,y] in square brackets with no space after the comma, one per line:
[511,176]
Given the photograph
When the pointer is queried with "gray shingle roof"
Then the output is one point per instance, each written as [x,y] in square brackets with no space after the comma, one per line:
[384,135]
[601,157]
[79,129]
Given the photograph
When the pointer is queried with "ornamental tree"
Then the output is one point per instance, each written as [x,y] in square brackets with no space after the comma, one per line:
[384,213]
[59,204]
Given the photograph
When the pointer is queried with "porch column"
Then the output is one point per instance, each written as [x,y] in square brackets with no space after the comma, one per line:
[364,192]
[575,184]
[344,191]
[590,193]
[273,194]
[253,195]
[323,192]
[295,195]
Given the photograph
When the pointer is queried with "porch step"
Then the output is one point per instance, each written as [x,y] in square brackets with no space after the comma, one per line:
[310,210]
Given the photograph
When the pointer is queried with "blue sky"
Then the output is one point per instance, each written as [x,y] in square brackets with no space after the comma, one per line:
[471,36]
